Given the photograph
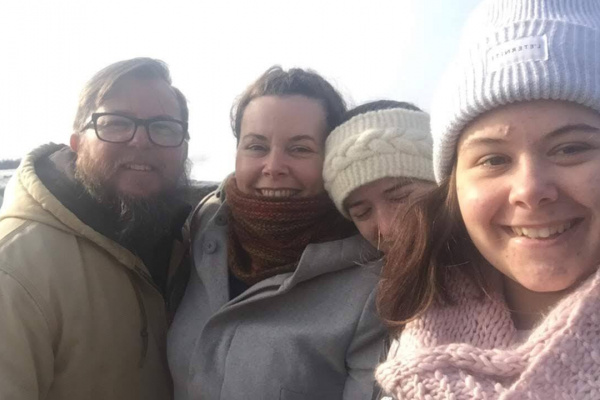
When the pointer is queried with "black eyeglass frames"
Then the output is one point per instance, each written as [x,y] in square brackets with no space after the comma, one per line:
[118,128]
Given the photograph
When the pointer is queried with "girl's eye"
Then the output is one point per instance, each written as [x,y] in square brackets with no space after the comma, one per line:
[360,214]
[571,149]
[399,198]
[494,161]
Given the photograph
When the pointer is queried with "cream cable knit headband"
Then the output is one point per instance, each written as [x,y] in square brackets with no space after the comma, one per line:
[374,145]
[517,50]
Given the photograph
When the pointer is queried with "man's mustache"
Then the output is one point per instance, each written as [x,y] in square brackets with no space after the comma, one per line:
[101,171]
[144,159]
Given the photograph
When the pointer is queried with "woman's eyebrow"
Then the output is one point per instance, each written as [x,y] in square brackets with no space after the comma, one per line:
[477,141]
[572,127]
[255,136]
[298,138]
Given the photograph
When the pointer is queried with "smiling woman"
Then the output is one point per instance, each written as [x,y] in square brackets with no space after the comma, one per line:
[281,147]
[528,188]
[494,284]
[275,262]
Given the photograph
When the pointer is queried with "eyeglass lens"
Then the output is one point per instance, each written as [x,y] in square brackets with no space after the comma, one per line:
[116,129]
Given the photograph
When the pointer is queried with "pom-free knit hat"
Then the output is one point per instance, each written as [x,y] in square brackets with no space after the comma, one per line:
[374,145]
[517,50]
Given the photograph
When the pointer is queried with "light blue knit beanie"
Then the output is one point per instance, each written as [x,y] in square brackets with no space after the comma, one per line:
[517,50]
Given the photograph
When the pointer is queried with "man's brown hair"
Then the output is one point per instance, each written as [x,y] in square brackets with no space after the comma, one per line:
[97,89]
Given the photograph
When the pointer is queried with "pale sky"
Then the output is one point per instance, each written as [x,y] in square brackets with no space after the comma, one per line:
[369,50]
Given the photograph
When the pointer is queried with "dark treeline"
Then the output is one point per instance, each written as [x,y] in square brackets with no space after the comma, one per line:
[9,164]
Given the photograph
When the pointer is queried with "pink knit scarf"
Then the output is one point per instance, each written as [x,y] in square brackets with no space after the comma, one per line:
[471,351]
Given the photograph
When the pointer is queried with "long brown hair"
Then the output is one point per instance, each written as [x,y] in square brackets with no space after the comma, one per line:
[429,238]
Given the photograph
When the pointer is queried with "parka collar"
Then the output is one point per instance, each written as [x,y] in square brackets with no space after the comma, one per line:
[27,197]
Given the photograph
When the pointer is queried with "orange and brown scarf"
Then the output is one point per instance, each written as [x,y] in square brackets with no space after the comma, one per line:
[268,235]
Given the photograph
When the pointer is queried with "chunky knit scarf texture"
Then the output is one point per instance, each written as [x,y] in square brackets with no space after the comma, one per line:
[268,235]
[471,350]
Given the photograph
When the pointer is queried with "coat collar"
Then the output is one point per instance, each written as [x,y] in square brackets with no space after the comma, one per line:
[27,197]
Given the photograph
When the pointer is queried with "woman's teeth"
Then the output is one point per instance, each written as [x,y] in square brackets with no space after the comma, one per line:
[542,233]
[277,192]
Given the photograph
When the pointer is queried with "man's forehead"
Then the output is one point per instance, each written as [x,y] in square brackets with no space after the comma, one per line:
[146,95]
[128,86]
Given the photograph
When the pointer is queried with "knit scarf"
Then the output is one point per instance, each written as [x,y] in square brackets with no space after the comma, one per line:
[471,350]
[268,235]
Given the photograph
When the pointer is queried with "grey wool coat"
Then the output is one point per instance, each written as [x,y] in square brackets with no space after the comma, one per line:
[308,335]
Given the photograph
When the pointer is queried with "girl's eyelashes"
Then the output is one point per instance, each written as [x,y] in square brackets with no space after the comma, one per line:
[571,149]
[401,193]
[360,213]
[493,160]
[399,198]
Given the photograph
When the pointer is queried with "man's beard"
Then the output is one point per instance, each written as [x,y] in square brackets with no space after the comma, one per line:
[139,220]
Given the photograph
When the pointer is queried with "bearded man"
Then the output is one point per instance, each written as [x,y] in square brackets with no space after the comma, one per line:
[87,237]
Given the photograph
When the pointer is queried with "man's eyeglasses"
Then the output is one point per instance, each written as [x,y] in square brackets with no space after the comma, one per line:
[117,128]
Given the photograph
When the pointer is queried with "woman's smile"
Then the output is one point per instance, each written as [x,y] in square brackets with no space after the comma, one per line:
[543,231]
[277,192]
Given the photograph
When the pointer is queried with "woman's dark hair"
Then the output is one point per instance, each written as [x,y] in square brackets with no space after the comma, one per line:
[376,106]
[429,239]
[277,82]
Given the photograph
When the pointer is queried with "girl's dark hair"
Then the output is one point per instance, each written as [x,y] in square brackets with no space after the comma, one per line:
[429,239]
[378,105]
[277,82]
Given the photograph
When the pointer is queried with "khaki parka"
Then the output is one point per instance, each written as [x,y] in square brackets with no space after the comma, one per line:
[80,317]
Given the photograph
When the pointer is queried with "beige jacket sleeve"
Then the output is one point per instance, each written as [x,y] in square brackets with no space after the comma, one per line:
[26,353]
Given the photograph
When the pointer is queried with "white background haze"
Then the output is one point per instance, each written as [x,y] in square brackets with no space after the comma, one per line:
[370,50]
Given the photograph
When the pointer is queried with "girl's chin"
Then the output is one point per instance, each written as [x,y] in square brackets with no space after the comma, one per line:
[546,282]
